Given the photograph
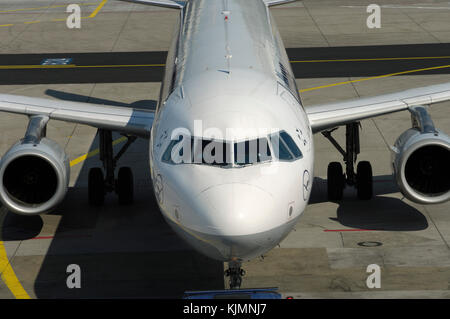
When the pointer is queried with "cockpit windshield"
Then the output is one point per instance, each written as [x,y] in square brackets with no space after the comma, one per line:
[190,150]
[251,152]
[194,150]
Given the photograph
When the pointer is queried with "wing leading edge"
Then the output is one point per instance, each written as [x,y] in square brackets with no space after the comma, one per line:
[122,119]
[160,3]
[326,116]
[180,4]
[271,3]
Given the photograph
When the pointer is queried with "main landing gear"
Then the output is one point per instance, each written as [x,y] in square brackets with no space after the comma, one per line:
[337,180]
[235,272]
[99,185]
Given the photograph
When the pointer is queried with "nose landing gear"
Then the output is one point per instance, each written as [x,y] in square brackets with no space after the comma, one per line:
[235,272]
[337,180]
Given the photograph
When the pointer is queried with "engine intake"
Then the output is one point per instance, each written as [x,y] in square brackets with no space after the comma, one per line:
[421,161]
[427,170]
[34,173]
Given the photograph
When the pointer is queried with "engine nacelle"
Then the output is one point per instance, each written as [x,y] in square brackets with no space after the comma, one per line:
[34,176]
[421,163]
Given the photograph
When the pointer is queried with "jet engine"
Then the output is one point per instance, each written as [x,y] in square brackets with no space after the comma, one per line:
[421,160]
[34,172]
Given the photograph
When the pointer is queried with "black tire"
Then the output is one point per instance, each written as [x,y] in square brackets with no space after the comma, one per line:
[364,180]
[335,181]
[96,187]
[125,186]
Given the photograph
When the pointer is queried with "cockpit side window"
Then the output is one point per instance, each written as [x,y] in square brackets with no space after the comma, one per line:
[284,147]
[167,156]
[291,144]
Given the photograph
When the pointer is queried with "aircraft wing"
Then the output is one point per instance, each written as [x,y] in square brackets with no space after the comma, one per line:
[180,4]
[160,3]
[326,116]
[270,3]
[116,118]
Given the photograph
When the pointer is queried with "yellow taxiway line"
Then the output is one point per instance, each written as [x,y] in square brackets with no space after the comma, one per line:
[374,59]
[74,66]
[162,64]
[375,77]
[100,6]
[92,153]
[48,7]
[92,15]
[9,277]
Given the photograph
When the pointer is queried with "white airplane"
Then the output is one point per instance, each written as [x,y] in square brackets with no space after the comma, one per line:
[226,71]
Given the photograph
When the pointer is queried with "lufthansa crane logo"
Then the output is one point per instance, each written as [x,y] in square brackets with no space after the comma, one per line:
[306,184]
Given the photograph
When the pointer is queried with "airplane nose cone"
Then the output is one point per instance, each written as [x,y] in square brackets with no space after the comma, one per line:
[238,209]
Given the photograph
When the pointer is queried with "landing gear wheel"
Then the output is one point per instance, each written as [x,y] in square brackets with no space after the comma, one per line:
[125,184]
[364,180]
[235,272]
[335,181]
[100,184]
[96,187]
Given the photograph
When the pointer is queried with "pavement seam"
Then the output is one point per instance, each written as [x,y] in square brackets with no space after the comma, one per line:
[381,134]
[435,226]
[372,119]
[123,28]
[26,28]
[317,26]
[420,26]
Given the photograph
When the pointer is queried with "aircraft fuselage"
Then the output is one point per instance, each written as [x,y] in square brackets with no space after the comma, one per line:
[228,80]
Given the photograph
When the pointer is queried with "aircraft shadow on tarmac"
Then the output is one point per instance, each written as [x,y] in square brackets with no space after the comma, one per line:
[18,227]
[131,252]
[143,104]
[379,213]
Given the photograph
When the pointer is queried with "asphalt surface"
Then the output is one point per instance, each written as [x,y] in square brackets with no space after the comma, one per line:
[319,62]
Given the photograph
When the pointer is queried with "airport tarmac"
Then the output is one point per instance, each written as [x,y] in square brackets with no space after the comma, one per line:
[130,252]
